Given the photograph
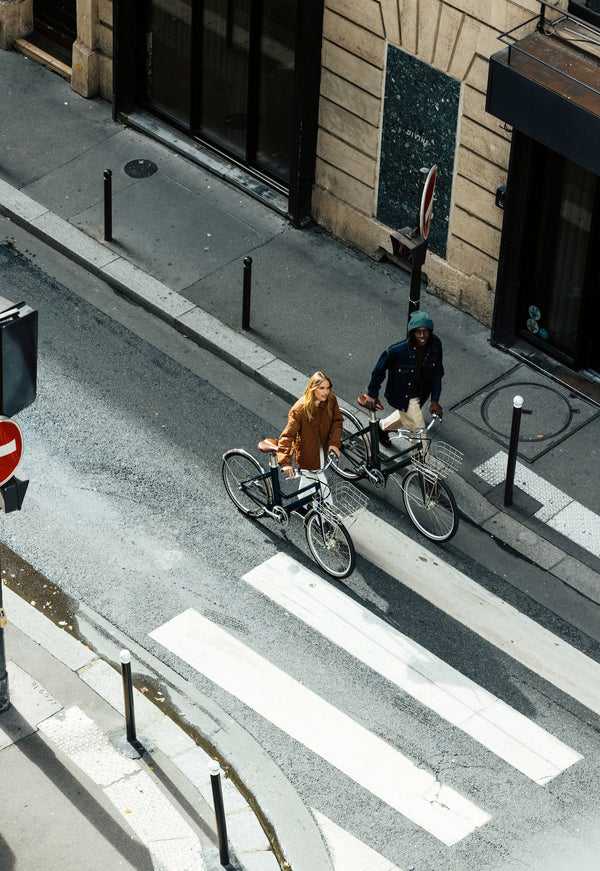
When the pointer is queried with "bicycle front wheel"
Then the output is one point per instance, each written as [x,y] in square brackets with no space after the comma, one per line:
[431,506]
[330,545]
[354,450]
[240,475]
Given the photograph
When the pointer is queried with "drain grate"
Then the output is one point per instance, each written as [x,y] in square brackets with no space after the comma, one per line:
[140,168]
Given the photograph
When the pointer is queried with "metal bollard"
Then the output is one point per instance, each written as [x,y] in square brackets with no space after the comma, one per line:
[125,658]
[107,205]
[512,450]
[246,293]
[215,780]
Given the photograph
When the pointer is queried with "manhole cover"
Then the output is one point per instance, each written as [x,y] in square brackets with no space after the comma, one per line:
[545,415]
[556,412]
[140,168]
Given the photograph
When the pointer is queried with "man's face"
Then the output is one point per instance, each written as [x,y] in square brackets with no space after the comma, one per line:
[421,336]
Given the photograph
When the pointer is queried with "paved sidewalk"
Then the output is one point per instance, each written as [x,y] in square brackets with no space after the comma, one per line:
[180,236]
[72,792]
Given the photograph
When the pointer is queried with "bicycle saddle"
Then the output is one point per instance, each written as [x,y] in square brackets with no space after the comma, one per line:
[362,400]
[267,446]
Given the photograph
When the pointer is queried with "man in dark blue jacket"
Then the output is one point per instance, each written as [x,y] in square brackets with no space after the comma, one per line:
[414,373]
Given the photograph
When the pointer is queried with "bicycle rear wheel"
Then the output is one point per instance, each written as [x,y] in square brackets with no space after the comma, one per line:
[354,449]
[238,470]
[330,545]
[431,506]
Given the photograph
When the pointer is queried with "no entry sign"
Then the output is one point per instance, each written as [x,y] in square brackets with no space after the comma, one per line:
[427,202]
[11,448]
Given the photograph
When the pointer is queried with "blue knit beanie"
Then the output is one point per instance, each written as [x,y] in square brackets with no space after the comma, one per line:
[420,319]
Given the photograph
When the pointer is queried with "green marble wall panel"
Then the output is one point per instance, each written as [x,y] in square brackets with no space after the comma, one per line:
[420,116]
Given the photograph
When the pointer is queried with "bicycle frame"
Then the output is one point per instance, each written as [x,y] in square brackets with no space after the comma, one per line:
[279,497]
[386,465]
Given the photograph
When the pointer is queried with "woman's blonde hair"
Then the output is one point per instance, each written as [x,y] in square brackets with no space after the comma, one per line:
[309,394]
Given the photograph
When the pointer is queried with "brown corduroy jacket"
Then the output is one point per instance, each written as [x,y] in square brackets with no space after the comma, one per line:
[303,437]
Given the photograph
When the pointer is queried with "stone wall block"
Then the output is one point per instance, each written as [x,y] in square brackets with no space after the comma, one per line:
[470,196]
[450,22]
[347,159]
[464,52]
[391,21]
[350,97]
[472,261]
[353,38]
[429,12]
[353,69]
[479,170]
[84,71]
[366,13]
[16,21]
[467,225]
[105,40]
[348,128]
[408,25]
[482,141]
[344,187]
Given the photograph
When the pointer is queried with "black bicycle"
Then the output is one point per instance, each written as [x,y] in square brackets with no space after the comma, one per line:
[257,492]
[417,467]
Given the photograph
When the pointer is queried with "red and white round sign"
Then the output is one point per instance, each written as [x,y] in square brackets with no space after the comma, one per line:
[11,448]
[427,202]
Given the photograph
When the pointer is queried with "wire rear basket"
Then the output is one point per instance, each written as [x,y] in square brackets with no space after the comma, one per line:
[440,459]
[348,501]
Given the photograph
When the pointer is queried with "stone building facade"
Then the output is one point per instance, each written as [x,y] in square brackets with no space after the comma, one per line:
[457,38]
[338,105]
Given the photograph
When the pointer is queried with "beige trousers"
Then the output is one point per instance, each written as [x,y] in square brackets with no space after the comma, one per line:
[412,418]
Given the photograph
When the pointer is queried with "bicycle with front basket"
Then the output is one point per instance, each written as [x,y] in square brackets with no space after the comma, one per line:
[257,492]
[418,468]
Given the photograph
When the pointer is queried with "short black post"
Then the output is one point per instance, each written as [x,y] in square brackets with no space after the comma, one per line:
[4,696]
[246,293]
[513,449]
[215,780]
[125,658]
[107,205]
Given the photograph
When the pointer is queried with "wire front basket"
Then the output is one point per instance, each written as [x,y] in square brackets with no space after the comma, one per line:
[348,501]
[439,459]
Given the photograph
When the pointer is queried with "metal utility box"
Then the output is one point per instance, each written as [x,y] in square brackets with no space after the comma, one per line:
[18,356]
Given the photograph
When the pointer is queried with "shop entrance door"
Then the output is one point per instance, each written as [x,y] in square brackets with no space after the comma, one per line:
[551,254]
[223,70]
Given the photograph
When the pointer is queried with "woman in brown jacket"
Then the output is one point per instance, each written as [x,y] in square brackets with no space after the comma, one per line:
[313,429]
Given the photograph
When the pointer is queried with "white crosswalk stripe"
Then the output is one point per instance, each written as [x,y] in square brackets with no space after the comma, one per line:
[321,727]
[479,610]
[456,698]
[347,852]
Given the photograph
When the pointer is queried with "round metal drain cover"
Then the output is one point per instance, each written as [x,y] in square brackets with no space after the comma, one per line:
[140,168]
[551,413]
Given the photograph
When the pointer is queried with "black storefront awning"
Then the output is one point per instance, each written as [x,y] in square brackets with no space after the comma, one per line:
[549,91]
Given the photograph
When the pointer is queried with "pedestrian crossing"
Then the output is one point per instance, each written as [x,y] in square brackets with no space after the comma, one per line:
[413,669]
[421,797]
[318,725]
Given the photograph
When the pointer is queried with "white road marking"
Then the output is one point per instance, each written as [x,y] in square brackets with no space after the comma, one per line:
[348,852]
[321,727]
[559,510]
[421,674]
[477,609]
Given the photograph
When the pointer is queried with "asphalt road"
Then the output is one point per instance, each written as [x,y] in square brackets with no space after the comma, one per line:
[126,513]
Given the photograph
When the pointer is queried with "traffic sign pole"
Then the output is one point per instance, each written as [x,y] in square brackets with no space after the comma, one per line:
[11,495]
